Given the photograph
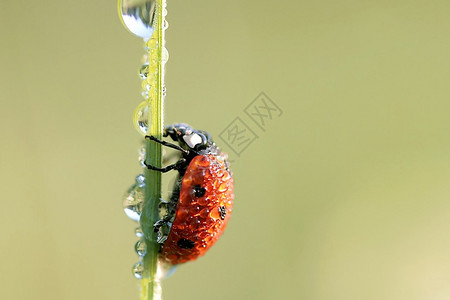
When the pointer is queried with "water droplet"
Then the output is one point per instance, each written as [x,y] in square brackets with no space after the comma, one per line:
[146,86]
[138,270]
[141,117]
[140,180]
[164,90]
[142,153]
[223,187]
[152,43]
[166,24]
[164,55]
[144,59]
[134,202]
[145,95]
[144,70]
[138,16]
[141,248]
[138,232]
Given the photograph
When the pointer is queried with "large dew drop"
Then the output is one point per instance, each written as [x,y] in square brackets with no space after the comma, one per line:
[134,199]
[141,117]
[138,16]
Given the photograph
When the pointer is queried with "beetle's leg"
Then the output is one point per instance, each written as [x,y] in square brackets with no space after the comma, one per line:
[176,166]
[164,143]
[158,224]
[162,228]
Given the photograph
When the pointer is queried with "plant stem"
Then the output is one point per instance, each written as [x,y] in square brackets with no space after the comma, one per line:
[151,289]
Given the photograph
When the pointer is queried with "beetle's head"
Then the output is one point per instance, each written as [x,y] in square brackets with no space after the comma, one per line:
[188,137]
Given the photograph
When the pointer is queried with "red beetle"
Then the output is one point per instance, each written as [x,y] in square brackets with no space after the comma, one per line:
[202,198]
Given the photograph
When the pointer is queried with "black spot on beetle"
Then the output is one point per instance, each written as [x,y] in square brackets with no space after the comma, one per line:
[185,244]
[199,191]
[223,212]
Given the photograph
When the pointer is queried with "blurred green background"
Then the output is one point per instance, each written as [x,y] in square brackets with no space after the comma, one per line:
[345,196]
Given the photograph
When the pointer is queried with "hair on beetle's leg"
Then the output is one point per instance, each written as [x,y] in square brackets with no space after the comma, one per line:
[176,166]
[164,143]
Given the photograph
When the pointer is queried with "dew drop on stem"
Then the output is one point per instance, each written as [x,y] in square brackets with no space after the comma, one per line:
[141,248]
[138,270]
[139,16]
[141,117]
